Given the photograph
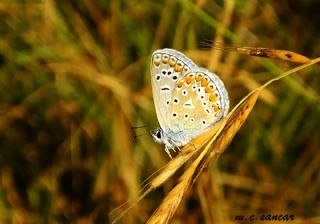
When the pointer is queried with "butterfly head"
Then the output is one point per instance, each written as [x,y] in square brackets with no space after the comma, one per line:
[157,135]
[170,143]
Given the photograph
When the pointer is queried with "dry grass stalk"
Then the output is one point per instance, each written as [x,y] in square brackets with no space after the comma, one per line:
[214,142]
[186,153]
[216,146]
[240,113]
[169,205]
[173,165]
[264,52]
[222,138]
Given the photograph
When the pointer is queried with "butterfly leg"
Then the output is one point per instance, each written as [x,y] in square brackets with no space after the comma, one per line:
[174,145]
[167,149]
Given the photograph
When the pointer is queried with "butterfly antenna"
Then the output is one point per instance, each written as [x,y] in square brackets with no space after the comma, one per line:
[137,127]
[135,136]
[209,44]
[206,44]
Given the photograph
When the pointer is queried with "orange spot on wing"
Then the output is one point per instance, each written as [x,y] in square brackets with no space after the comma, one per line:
[189,79]
[165,58]
[180,84]
[216,108]
[204,82]
[199,78]
[178,67]
[172,61]
[213,97]
[208,89]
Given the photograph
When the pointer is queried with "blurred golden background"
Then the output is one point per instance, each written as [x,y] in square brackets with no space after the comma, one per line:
[74,79]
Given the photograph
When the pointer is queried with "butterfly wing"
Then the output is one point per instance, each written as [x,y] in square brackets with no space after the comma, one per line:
[198,101]
[167,67]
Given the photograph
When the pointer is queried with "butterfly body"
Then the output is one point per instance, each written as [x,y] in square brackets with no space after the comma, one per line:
[188,99]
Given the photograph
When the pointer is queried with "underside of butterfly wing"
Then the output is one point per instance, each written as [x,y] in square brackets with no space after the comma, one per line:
[167,67]
[199,100]
[188,99]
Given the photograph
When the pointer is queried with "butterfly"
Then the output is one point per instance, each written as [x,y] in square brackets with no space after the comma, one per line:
[188,99]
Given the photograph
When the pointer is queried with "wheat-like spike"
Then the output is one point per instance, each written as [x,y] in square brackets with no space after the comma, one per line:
[173,165]
[169,205]
[264,52]
[214,142]
[239,114]
[186,153]
[216,146]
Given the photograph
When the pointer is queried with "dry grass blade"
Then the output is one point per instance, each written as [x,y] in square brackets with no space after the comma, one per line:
[284,55]
[186,153]
[173,165]
[232,125]
[238,115]
[169,205]
[220,139]
[75,77]
[235,120]
[275,53]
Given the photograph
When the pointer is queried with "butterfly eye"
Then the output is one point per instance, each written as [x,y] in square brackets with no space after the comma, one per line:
[158,134]
[164,72]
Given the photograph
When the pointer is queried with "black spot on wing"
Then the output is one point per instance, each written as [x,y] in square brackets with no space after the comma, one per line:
[165,89]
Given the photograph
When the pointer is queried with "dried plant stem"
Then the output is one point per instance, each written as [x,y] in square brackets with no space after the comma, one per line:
[221,138]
